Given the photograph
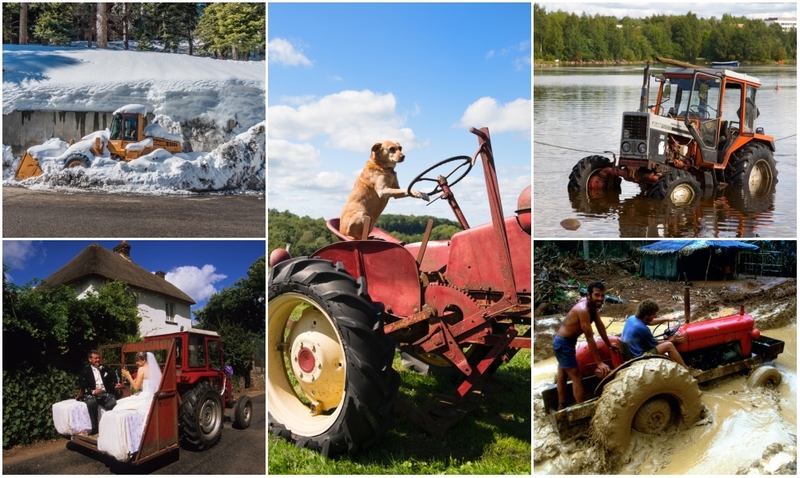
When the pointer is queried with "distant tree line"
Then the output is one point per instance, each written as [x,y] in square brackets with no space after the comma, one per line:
[220,30]
[306,235]
[570,37]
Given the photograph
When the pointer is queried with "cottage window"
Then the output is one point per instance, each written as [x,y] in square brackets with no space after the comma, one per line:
[169,307]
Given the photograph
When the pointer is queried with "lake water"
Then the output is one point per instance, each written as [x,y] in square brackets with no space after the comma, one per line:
[577,112]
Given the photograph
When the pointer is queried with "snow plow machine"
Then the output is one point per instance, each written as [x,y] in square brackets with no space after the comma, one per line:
[128,138]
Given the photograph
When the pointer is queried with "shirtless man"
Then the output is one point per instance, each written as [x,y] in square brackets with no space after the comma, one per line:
[579,321]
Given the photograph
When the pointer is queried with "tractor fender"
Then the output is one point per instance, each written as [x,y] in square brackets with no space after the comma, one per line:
[599,390]
[391,272]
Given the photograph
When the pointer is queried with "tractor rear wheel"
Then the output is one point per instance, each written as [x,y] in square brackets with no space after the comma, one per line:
[651,395]
[584,175]
[752,167]
[330,378]
[201,417]
[679,186]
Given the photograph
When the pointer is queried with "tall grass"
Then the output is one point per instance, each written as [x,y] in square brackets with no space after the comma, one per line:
[494,439]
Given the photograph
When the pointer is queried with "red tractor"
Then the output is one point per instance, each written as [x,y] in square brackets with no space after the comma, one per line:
[652,393]
[191,398]
[335,317]
[699,134]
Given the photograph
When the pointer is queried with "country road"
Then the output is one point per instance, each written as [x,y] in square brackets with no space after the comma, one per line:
[239,452]
[54,214]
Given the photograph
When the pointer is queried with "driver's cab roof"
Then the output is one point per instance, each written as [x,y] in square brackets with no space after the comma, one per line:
[713,72]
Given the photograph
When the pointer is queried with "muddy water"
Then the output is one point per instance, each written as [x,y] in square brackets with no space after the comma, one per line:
[744,431]
[581,108]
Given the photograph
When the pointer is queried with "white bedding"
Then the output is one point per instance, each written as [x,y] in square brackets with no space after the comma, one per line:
[72,417]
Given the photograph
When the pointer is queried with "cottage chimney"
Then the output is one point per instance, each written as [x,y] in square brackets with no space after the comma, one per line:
[161,274]
[123,249]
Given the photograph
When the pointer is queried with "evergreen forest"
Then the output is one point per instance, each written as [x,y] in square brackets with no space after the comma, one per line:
[234,31]
[583,38]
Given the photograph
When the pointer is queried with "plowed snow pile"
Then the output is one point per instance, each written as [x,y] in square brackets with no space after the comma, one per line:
[218,105]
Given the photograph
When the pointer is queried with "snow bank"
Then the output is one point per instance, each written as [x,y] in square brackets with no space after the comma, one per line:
[228,94]
[238,165]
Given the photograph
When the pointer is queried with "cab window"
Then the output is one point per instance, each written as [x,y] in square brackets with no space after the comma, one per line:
[197,353]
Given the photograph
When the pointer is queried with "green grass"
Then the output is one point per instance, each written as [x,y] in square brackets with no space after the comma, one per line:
[494,439]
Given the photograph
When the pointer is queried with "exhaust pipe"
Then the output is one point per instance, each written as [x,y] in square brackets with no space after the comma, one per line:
[645,89]
[686,305]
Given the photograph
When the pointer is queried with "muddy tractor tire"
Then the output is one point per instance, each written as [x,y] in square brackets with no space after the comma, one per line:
[650,395]
[201,417]
[752,167]
[242,412]
[330,378]
[76,161]
[765,375]
[584,175]
[677,186]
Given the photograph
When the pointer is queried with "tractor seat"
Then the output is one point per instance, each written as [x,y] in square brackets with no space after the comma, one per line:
[376,233]
[624,350]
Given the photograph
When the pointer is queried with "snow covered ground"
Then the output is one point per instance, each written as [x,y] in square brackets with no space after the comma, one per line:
[222,100]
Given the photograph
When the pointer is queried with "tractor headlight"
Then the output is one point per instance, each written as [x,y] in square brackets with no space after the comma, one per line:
[642,148]
[626,147]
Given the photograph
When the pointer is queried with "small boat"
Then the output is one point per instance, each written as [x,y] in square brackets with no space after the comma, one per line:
[724,64]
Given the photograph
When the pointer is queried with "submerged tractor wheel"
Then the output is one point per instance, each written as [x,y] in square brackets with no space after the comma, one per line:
[585,175]
[330,378]
[679,186]
[651,396]
[752,167]
[763,376]
[201,417]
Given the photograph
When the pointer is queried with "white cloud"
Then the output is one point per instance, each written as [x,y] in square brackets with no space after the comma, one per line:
[284,53]
[197,283]
[489,55]
[510,117]
[296,167]
[17,254]
[523,62]
[352,120]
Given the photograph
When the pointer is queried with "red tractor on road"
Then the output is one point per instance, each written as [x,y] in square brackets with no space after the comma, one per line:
[335,317]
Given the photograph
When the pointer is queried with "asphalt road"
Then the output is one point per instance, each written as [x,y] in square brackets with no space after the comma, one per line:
[45,214]
[239,452]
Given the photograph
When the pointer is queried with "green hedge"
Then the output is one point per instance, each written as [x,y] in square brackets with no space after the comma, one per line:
[28,398]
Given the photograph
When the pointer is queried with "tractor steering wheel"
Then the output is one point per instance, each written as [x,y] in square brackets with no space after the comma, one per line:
[465,161]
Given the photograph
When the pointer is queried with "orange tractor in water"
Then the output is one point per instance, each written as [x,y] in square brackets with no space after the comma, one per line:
[128,139]
[699,134]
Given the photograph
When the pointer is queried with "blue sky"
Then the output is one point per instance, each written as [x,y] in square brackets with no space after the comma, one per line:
[345,76]
[750,10]
[199,268]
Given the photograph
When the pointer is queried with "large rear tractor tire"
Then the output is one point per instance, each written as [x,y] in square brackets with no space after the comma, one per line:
[330,378]
[678,186]
[201,417]
[585,177]
[651,395]
[752,167]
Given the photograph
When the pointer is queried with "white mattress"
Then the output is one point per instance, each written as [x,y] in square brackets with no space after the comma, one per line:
[72,417]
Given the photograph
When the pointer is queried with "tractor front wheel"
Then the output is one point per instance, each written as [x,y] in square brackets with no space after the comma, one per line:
[752,167]
[201,417]
[679,186]
[585,175]
[763,376]
[76,161]
[242,412]
[330,378]
[650,396]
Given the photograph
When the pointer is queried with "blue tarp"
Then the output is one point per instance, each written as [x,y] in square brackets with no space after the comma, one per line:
[685,247]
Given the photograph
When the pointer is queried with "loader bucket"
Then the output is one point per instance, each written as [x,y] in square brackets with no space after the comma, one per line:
[28,167]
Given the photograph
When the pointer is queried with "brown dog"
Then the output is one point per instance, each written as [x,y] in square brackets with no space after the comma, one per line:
[373,188]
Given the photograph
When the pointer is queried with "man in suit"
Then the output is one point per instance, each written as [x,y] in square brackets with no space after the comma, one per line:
[99,387]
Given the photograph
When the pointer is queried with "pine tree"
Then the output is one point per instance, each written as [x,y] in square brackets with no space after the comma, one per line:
[54,26]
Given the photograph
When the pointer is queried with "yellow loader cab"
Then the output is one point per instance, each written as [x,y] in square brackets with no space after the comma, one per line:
[128,139]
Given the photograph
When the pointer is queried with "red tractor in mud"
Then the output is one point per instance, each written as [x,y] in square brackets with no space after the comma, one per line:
[652,393]
[335,317]
[699,134]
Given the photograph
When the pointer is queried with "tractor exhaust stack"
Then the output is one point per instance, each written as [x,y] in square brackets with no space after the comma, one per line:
[645,89]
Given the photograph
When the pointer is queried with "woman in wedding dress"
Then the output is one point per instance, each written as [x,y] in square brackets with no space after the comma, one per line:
[121,429]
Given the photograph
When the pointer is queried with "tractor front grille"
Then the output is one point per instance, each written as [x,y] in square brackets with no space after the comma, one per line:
[634,126]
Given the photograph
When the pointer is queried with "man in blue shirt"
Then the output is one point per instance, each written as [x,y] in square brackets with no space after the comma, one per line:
[640,339]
